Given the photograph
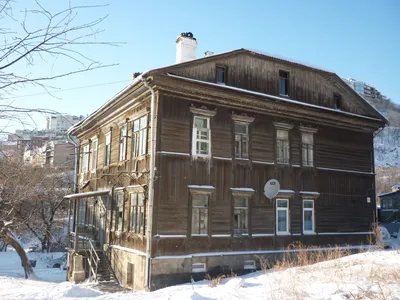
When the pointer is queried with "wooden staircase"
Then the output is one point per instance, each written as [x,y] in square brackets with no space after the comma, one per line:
[105,273]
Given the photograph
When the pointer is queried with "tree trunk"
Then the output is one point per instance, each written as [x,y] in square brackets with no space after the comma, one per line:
[7,236]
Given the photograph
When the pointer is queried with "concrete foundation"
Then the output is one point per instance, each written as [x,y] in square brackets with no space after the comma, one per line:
[129,268]
[77,273]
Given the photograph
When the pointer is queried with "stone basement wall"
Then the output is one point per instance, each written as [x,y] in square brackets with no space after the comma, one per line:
[171,271]
[129,268]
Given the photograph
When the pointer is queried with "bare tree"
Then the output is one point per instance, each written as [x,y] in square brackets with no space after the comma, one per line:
[34,35]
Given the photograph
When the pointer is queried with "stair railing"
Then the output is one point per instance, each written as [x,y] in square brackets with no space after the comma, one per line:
[93,261]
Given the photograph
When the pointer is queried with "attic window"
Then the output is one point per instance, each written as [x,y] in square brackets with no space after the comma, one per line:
[220,74]
[283,83]
[337,101]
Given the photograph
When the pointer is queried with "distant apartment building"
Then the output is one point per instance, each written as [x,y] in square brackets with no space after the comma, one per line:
[53,154]
[365,90]
[32,139]
[62,122]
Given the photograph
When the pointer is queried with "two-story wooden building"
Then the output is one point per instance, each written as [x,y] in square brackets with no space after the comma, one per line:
[172,168]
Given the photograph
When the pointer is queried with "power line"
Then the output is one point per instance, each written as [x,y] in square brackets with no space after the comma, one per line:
[65,90]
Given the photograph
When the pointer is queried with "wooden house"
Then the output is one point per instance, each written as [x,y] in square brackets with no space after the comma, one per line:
[172,169]
[390,205]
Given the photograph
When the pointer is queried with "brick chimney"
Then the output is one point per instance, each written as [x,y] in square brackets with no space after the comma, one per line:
[186,47]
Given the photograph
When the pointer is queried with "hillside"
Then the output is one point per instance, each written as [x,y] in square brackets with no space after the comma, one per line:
[387,142]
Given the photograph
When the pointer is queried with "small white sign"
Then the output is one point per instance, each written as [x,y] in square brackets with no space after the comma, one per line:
[271,188]
[368,199]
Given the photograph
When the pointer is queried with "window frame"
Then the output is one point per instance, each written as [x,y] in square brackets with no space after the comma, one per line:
[138,210]
[119,215]
[238,232]
[95,153]
[123,142]
[220,70]
[307,150]
[196,140]
[85,158]
[206,194]
[312,216]
[240,137]
[107,148]
[284,79]
[282,148]
[287,232]
[140,137]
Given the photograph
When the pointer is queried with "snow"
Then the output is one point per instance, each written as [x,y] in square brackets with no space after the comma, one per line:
[263,162]
[347,171]
[387,147]
[242,190]
[207,187]
[173,153]
[369,275]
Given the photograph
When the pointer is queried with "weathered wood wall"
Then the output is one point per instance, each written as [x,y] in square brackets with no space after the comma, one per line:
[261,74]
[341,207]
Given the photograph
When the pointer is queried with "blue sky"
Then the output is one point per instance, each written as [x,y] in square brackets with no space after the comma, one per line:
[359,39]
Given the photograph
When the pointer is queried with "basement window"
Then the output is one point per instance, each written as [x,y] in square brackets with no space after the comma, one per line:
[249,264]
[199,268]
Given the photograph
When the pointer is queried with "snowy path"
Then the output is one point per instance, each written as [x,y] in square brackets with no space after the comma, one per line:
[371,275]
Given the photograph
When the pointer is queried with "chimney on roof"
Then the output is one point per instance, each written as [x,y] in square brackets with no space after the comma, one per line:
[208,53]
[186,47]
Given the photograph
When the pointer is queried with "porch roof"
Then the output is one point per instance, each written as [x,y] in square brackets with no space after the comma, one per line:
[87,194]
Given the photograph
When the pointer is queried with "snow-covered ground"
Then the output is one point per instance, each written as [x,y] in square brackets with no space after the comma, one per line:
[369,275]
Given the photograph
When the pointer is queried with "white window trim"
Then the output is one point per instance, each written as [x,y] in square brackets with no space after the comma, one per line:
[195,140]
[86,155]
[106,163]
[313,217]
[93,165]
[123,154]
[287,232]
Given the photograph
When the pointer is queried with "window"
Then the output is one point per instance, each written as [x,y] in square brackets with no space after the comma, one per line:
[200,214]
[95,144]
[82,212]
[282,146]
[282,216]
[241,215]
[119,211]
[250,265]
[139,136]
[308,216]
[241,140]
[107,150]
[201,136]
[199,268]
[307,140]
[220,75]
[283,83]
[137,213]
[85,158]
[122,144]
[337,102]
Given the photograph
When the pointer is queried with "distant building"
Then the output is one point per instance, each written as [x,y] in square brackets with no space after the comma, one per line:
[32,139]
[53,154]
[390,205]
[62,122]
[365,90]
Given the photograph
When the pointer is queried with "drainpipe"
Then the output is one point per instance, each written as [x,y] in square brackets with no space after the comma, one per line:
[151,186]
[76,150]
